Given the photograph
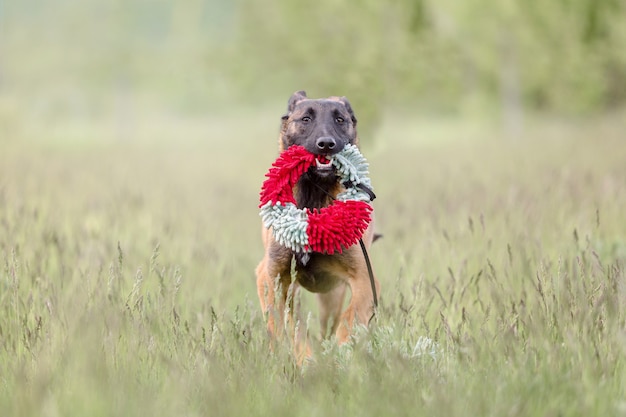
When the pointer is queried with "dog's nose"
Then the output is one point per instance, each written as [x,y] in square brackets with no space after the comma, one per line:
[326,144]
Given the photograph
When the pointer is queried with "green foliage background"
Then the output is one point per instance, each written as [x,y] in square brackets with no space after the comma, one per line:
[499,58]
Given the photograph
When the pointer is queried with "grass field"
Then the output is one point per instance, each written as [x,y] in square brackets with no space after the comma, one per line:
[128,252]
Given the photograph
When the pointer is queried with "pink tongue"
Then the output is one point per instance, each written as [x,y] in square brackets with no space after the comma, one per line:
[323,159]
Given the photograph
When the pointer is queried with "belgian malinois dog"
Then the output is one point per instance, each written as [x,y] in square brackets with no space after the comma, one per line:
[323,127]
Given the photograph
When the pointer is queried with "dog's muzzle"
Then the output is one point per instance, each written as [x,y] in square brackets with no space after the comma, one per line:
[326,145]
[324,166]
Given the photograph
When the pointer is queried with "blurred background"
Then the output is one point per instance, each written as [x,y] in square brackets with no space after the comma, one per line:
[112,63]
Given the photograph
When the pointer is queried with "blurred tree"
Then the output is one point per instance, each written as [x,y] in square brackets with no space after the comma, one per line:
[419,18]
[603,20]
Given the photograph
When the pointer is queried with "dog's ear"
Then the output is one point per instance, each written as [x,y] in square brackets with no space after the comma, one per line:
[295,98]
[349,108]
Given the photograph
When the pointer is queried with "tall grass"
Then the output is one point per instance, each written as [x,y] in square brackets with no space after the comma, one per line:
[127,283]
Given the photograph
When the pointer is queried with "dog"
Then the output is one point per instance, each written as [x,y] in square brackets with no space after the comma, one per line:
[323,127]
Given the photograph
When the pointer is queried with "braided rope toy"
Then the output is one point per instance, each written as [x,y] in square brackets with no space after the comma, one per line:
[329,229]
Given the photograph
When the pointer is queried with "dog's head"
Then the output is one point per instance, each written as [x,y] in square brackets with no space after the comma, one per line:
[323,126]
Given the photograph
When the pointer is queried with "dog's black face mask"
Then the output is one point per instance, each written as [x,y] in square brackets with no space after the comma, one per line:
[323,126]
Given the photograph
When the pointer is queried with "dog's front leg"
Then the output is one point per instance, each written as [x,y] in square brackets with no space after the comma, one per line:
[361,307]
[272,292]
[331,306]
[278,298]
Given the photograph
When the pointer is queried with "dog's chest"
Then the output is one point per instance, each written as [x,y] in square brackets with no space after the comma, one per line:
[313,192]
[322,272]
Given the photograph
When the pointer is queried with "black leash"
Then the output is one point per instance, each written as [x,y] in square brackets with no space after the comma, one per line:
[370,271]
[371,274]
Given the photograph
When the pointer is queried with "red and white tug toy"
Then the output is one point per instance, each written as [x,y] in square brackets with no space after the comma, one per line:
[329,229]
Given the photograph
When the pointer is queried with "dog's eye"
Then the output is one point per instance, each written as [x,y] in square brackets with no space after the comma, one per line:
[339,120]
[306,119]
